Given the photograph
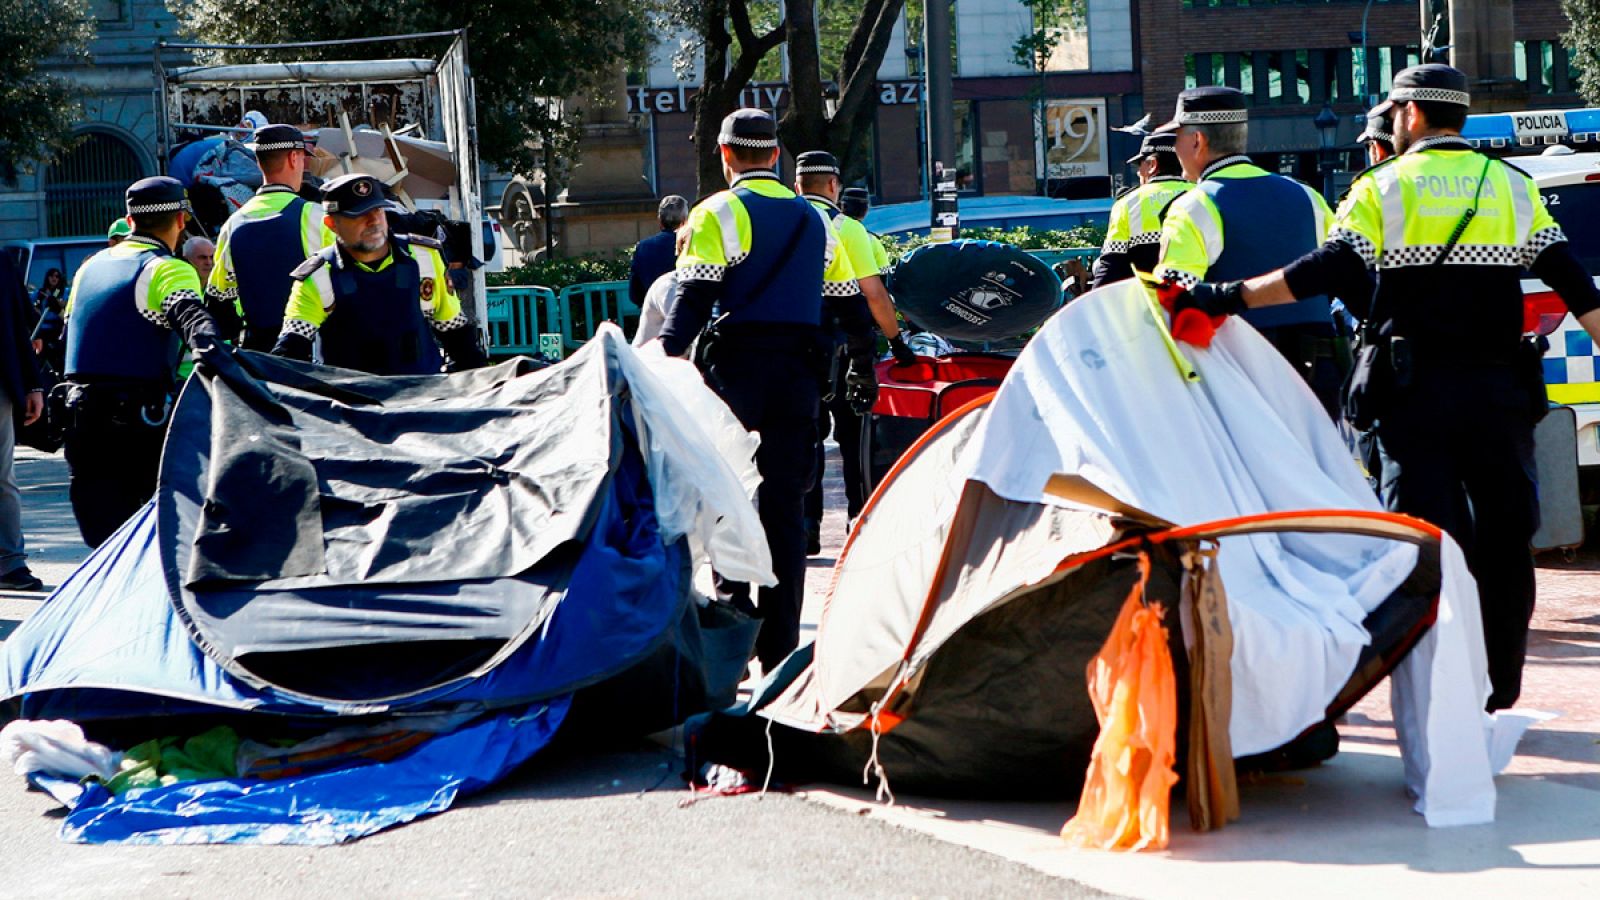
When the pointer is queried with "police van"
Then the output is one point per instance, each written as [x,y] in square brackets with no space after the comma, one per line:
[1561,150]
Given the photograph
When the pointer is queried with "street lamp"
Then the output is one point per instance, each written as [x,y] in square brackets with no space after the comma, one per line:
[1327,122]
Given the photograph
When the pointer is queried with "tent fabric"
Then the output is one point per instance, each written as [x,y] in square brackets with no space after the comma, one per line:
[128,636]
[969,598]
[326,808]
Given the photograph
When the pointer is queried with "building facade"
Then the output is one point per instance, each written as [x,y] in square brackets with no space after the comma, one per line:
[81,193]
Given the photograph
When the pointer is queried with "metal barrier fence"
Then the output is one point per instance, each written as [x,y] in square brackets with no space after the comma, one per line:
[528,320]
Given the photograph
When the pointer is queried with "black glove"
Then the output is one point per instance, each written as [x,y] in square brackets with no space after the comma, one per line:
[903,355]
[293,345]
[1214,299]
[861,386]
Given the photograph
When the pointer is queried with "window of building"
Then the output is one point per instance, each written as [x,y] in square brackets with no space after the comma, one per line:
[1294,77]
[914,65]
[84,188]
[966,123]
[1546,67]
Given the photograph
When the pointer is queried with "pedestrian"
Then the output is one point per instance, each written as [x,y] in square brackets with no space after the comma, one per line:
[1133,237]
[118,232]
[763,262]
[1454,388]
[51,295]
[1239,221]
[128,308]
[654,256]
[21,403]
[381,303]
[266,239]
[202,254]
[817,179]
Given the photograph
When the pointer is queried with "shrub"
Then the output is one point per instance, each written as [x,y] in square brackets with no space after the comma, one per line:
[567,270]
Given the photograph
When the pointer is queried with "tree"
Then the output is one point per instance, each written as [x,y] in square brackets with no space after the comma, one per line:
[807,125]
[521,52]
[1584,37]
[38,109]
[734,38]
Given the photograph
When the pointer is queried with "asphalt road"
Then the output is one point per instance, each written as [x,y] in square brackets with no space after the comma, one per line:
[609,824]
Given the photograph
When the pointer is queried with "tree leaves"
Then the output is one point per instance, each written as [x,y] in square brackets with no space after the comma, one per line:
[1584,37]
[38,109]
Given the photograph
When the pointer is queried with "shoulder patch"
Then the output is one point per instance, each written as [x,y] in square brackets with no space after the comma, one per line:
[313,262]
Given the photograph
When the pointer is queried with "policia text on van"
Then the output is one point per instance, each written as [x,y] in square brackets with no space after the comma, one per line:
[1448,232]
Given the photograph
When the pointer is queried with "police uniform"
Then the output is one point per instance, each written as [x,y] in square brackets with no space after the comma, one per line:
[763,262]
[389,317]
[129,305]
[1240,221]
[1133,235]
[260,244]
[1463,388]
[837,415]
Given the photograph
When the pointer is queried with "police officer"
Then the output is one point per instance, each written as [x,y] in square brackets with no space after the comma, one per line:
[381,303]
[1462,388]
[271,234]
[856,203]
[129,305]
[1239,221]
[1133,237]
[763,262]
[1377,139]
[817,179]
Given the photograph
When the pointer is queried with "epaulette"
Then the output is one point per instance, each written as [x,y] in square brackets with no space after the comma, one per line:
[314,262]
[1373,168]
[1515,168]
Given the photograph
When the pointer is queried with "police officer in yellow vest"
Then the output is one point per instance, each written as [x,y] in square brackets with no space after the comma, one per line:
[1457,387]
[266,239]
[1240,220]
[1133,236]
[817,179]
[760,264]
[130,304]
[381,303]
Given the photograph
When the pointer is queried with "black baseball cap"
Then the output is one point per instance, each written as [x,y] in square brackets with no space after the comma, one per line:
[1377,130]
[352,195]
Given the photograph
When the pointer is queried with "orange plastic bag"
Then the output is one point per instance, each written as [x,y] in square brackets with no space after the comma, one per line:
[1125,803]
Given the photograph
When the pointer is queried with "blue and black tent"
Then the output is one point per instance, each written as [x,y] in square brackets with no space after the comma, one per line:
[328,548]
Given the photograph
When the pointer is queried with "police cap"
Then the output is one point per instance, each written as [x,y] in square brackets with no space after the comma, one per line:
[1165,142]
[276,137]
[1430,83]
[1377,130]
[749,128]
[157,194]
[855,202]
[1209,105]
[816,162]
[353,195]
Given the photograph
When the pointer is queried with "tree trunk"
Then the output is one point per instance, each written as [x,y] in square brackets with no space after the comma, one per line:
[722,81]
[805,124]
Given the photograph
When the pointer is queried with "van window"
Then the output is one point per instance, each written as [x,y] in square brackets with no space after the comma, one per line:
[1576,208]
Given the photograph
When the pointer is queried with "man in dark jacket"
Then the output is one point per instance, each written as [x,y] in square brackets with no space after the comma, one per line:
[21,403]
[656,254]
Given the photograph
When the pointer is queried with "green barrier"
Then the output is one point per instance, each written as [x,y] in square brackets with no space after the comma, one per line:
[585,306]
[518,316]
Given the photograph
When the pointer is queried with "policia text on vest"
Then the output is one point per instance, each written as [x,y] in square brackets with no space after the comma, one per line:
[763,262]
[130,304]
[1454,421]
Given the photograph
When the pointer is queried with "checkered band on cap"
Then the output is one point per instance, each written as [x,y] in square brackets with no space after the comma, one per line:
[1213,117]
[1431,95]
[726,138]
[277,145]
[147,208]
[816,170]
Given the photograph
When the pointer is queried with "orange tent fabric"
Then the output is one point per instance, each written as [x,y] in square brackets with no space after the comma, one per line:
[1125,803]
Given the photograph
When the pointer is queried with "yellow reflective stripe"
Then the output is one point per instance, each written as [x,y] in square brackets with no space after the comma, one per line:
[310,300]
[314,233]
[1191,238]
[735,240]
[222,280]
[1574,393]
[1118,230]
[441,304]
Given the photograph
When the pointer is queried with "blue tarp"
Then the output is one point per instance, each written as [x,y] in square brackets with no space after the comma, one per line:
[326,808]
